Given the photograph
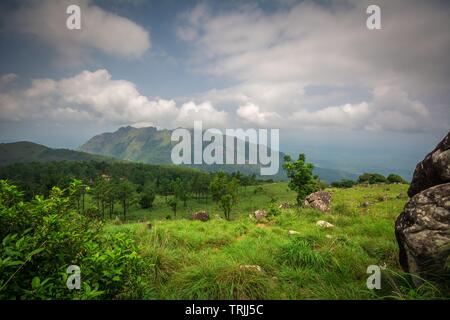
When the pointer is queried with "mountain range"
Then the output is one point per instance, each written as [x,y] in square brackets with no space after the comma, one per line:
[145,145]
[150,145]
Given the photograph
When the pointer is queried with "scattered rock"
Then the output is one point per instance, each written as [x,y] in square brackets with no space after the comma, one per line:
[365,204]
[201,216]
[251,267]
[320,200]
[423,233]
[382,198]
[285,205]
[324,224]
[293,232]
[260,214]
[433,170]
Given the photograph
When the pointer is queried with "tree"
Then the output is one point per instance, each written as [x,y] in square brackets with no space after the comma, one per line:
[343,183]
[395,178]
[148,195]
[224,192]
[302,179]
[371,178]
[173,203]
[126,192]
[181,190]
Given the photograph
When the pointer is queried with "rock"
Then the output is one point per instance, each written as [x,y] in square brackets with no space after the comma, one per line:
[251,267]
[293,232]
[423,234]
[382,198]
[201,216]
[329,236]
[320,200]
[324,224]
[433,170]
[285,205]
[365,204]
[260,214]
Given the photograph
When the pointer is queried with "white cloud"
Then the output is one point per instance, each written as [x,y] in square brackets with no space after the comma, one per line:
[96,97]
[276,56]
[100,30]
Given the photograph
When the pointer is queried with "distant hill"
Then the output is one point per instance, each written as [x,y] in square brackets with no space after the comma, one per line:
[24,151]
[150,145]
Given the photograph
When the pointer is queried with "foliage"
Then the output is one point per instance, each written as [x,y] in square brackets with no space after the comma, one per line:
[41,238]
[301,177]
[224,192]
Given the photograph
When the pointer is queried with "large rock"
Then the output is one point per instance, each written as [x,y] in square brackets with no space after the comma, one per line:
[201,216]
[433,170]
[320,200]
[423,233]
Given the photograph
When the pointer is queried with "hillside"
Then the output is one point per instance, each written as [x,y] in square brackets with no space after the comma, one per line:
[24,151]
[286,256]
[150,145]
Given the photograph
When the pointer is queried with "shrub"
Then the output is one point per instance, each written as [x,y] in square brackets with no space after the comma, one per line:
[41,238]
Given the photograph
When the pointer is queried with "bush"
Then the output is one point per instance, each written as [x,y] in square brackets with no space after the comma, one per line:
[41,238]
[395,178]
[371,178]
[343,183]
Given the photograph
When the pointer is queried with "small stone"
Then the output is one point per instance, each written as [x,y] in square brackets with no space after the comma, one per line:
[293,232]
[324,224]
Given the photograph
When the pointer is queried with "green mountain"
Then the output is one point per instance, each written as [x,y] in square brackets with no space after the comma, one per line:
[24,151]
[150,145]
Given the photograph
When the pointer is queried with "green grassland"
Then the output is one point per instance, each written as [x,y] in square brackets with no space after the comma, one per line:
[246,259]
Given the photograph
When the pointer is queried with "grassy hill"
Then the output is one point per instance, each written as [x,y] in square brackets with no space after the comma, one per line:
[150,145]
[245,259]
[22,152]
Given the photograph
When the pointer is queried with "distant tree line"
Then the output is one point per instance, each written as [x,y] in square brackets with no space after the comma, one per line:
[127,184]
[369,178]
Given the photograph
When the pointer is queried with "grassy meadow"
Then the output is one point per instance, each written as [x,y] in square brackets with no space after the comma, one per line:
[247,259]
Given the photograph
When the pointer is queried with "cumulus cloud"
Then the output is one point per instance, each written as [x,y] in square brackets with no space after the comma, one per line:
[96,97]
[277,56]
[100,31]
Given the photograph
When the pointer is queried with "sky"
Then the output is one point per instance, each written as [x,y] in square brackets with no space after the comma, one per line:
[350,98]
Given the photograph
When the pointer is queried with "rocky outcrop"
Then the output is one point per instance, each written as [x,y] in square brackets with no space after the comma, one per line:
[201,216]
[433,170]
[423,228]
[320,200]
[423,233]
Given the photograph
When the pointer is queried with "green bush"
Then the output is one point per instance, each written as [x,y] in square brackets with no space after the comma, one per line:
[41,238]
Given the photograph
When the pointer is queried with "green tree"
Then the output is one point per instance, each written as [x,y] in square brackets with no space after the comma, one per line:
[173,203]
[224,192]
[300,174]
[395,178]
[126,192]
[148,195]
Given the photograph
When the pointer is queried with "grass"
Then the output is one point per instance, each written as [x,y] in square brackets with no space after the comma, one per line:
[245,259]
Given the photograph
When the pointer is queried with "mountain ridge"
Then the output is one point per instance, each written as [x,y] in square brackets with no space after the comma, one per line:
[152,145]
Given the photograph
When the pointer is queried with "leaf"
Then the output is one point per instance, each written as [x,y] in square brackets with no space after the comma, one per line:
[35,283]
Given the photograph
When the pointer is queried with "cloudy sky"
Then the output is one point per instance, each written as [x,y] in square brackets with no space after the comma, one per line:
[335,89]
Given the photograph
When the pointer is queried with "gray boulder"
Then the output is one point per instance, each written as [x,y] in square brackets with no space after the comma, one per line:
[433,170]
[423,234]
[320,200]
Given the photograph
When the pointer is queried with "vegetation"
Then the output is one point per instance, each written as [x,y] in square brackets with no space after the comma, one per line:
[100,222]
[301,177]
